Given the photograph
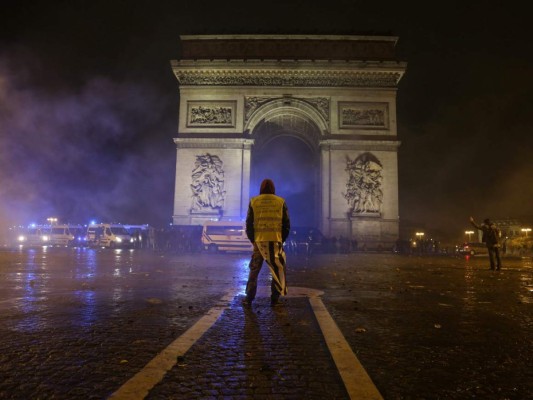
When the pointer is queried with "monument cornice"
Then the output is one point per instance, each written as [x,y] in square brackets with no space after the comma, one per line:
[299,73]
[366,145]
[380,38]
[213,143]
[294,47]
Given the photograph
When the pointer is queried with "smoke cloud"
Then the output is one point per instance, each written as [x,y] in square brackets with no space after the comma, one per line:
[99,151]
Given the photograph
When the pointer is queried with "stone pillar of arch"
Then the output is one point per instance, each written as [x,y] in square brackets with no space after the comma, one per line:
[337,94]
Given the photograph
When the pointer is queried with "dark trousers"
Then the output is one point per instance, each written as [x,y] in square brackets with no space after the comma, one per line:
[494,257]
[274,255]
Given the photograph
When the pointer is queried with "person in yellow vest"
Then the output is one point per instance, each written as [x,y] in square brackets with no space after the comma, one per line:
[267,227]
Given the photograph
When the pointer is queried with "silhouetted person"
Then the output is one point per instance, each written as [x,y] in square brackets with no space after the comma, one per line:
[491,237]
[267,227]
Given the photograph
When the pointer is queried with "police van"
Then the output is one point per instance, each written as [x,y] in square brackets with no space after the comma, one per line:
[221,236]
[34,236]
[108,235]
[66,235]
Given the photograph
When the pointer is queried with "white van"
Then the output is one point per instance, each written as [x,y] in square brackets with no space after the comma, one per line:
[108,235]
[66,235]
[35,236]
[225,236]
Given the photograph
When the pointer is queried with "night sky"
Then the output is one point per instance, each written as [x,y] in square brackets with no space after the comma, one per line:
[89,104]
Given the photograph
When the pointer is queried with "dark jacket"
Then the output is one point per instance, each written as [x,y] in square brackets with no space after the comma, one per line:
[491,234]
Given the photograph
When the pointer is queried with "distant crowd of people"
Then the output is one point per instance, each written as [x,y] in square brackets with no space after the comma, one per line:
[179,239]
[420,246]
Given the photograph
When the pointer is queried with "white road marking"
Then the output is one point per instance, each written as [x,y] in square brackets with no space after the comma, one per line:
[357,382]
[144,380]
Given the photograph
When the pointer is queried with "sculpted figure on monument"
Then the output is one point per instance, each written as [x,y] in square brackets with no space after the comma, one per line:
[207,183]
[363,189]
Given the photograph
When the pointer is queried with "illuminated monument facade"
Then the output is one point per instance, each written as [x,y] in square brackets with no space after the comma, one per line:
[336,95]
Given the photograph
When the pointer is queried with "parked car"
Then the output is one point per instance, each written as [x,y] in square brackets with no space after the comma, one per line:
[473,249]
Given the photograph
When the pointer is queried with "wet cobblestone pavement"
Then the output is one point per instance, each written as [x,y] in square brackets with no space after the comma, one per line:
[432,328]
[77,324]
[257,353]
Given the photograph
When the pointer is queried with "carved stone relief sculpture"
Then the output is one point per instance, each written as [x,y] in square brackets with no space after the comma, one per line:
[363,189]
[364,115]
[207,184]
[211,114]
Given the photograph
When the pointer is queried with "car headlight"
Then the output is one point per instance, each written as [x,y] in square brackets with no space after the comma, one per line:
[45,238]
[119,240]
[21,238]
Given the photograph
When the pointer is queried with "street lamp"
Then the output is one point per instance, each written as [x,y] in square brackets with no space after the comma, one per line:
[526,230]
[419,235]
[469,233]
[52,220]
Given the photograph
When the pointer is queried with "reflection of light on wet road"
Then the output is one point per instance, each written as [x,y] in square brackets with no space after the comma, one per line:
[87,315]
[243,272]
[470,293]
[123,258]
[265,277]
[526,294]
[86,263]
[118,294]
[33,282]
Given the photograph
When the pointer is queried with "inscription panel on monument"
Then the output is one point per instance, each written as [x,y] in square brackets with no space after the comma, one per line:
[211,114]
[359,115]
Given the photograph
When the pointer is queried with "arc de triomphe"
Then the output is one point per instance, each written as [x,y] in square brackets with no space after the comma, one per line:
[246,98]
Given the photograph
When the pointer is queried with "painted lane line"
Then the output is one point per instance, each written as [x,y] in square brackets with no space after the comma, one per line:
[356,380]
[141,383]
[358,383]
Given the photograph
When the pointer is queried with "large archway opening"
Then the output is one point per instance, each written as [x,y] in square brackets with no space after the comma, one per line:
[293,165]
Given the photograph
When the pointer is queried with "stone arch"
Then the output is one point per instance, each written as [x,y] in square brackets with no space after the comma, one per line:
[259,95]
[293,115]
[287,121]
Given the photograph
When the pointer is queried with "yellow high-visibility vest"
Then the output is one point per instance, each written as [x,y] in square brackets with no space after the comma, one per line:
[268,215]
